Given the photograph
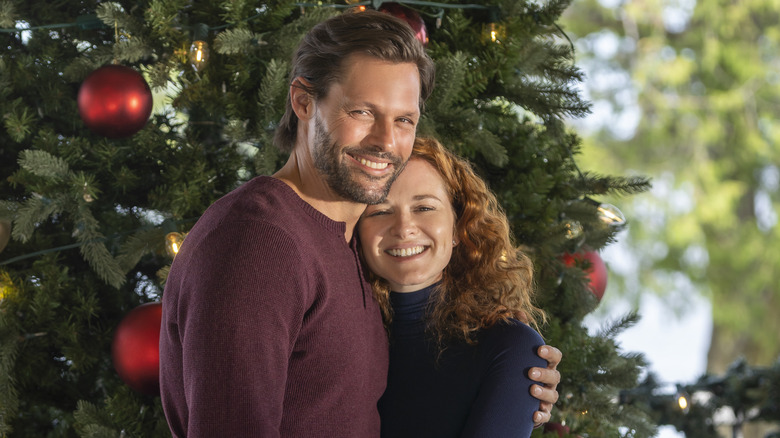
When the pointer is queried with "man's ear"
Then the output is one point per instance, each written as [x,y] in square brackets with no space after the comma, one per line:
[302,101]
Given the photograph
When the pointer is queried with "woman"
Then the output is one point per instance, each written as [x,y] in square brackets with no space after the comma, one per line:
[456,296]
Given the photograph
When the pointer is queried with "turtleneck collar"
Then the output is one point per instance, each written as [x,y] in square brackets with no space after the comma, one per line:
[411,306]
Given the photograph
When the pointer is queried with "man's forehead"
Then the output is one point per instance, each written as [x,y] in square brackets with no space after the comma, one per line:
[359,70]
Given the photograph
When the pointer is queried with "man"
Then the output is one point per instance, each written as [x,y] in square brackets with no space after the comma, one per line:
[269,328]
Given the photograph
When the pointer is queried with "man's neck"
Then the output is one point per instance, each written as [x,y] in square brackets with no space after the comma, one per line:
[316,192]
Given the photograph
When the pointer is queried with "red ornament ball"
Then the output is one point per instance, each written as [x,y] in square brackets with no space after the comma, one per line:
[136,348]
[115,101]
[597,270]
[411,17]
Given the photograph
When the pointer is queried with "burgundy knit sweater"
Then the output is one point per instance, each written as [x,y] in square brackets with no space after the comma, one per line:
[268,327]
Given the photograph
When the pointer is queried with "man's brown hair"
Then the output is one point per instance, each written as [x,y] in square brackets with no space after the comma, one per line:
[320,57]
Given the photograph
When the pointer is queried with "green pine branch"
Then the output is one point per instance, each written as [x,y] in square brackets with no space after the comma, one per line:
[18,122]
[139,244]
[45,165]
[233,41]
[94,249]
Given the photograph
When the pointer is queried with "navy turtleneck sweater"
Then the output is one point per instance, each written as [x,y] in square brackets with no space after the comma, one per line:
[477,390]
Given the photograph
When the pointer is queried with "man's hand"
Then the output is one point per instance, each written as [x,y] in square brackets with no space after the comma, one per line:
[549,378]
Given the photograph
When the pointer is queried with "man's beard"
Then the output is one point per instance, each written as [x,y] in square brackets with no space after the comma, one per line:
[343,180]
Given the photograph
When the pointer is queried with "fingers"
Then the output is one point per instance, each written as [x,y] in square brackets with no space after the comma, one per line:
[552,355]
[541,417]
[549,377]
[548,396]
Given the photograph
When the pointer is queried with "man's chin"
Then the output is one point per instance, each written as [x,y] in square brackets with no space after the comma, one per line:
[376,201]
[363,194]
[368,197]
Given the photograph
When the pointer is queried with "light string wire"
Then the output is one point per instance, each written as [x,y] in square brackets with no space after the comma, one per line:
[92,22]
[166,224]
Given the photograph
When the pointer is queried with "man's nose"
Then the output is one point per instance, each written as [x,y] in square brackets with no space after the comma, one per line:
[382,134]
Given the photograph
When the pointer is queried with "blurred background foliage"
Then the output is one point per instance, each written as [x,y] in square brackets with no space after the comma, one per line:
[688,92]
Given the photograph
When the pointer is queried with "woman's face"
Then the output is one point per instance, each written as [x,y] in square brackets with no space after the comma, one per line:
[408,239]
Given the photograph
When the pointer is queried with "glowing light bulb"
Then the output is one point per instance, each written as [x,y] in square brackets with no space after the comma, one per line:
[6,285]
[611,215]
[493,33]
[173,243]
[199,54]
[199,50]
[682,402]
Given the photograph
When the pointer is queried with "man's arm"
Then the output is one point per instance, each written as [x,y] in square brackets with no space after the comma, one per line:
[236,323]
[549,378]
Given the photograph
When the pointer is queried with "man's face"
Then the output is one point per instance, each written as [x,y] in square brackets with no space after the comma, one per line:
[364,129]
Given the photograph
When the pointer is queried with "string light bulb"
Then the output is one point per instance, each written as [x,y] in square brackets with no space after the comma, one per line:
[608,213]
[173,243]
[199,50]
[683,402]
[85,193]
[6,285]
[493,31]
[573,229]
[611,215]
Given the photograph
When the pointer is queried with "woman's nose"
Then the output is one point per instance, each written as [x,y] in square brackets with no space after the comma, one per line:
[404,226]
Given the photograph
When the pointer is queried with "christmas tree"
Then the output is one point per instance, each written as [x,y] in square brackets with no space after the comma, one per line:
[95,199]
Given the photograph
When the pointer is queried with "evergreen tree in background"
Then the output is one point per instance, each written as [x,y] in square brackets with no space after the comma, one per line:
[88,215]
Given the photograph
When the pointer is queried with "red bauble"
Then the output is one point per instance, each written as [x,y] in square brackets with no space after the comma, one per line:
[556,427]
[410,16]
[597,271]
[115,101]
[136,348]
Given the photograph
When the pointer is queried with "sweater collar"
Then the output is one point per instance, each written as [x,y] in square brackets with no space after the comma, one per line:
[409,306]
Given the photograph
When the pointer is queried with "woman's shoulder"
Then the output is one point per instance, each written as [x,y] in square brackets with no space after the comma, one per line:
[513,338]
[512,329]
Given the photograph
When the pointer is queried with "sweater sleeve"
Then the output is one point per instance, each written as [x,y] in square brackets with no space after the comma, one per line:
[240,304]
[504,406]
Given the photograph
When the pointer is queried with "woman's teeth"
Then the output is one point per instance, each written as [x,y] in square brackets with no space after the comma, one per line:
[406,252]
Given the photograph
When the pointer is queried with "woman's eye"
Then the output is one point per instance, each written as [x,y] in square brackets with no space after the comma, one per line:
[376,213]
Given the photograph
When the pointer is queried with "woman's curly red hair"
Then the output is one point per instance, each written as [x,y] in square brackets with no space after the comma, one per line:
[488,279]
